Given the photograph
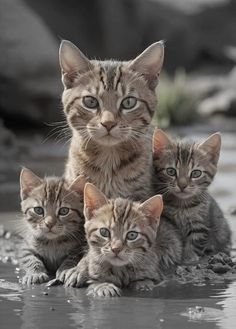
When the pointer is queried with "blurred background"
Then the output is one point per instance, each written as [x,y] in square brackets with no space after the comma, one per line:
[197,90]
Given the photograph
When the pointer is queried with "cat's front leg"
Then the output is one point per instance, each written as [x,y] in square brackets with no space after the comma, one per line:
[105,289]
[34,268]
[144,285]
[68,264]
[189,253]
[78,275]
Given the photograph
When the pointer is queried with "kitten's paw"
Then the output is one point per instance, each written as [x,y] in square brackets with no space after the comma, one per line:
[104,290]
[191,258]
[143,285]
[74,278]
[34,278]
[61,275]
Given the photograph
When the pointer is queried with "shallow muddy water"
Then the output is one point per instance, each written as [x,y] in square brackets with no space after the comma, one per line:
[171,305]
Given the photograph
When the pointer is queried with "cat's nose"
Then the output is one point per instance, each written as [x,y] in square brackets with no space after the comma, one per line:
[49,222]
[108,125]
[116,250]
[182,183]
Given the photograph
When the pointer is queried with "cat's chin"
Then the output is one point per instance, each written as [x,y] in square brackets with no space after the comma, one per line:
[183,195]
[107,140]
[116,261]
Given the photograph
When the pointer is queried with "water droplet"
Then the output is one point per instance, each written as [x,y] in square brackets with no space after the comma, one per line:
[33,296]
[68,301]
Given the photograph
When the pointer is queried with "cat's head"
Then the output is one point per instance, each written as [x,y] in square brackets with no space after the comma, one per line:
[119,230]
[109,102]
[51,207]
[181,169]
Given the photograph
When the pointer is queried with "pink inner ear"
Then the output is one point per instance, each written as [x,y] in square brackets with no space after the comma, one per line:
[160,142]
[93,199]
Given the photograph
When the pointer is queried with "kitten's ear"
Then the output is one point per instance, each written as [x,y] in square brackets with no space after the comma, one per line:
[72,62]
[152,208]
[160,142]
[78,185]
[149,63]
[28,181]
[93,200]
[211,146]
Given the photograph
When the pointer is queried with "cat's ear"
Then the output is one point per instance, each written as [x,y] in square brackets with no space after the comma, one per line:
[72,62]
[28,181]
[211,146]
[149,63]
[93,200]
[160,142]
[152,208]
[78,185]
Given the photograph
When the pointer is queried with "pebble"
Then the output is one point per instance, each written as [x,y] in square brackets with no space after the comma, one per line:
[52,308]
[45,293]
[8,235]
[220,269]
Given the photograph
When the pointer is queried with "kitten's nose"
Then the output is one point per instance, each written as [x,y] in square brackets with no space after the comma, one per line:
[182,183]
[108,120]
[116,250]
[108,124]
[49,222]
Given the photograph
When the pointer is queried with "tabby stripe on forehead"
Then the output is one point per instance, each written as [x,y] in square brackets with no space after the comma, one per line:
[102,75]
[208,174]
[117,77]
[131,179]
[79,213]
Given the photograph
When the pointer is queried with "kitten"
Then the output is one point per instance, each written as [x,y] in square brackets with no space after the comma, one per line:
[127,246]
[109,106]
[53,234]
[183,171]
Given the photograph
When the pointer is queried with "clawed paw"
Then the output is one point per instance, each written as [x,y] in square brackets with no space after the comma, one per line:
[74,278]
[144,285]
[104,290]
[34,278]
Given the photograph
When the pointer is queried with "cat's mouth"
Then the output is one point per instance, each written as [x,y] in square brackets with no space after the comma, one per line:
[117,261]
[183,194]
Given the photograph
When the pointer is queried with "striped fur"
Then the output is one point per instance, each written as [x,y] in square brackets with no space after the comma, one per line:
[118,161]
[115,262]
[52,243]
[187,202]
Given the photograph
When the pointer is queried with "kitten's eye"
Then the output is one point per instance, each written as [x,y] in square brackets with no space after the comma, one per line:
[90,102]
[105,232]
[39,211]
[132,235]
[196,173]
[129,103]
[63,211]
[171,171]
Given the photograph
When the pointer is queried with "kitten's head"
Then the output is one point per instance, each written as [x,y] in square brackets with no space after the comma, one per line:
[121,231]
[109,102]
[52,208]
[184,170]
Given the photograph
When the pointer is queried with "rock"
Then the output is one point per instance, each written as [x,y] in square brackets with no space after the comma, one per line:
[29,74]
[219,268]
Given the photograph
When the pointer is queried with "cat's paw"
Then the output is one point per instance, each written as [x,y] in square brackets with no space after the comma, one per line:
[143,285]
[61,275]
[191,258]
[74,278]
[33,278]
[104,290]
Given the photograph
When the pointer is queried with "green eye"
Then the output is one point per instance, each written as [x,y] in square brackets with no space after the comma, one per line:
[105,232]
[63,211]
[171,171]
[132,235]
[39,211]
[129,103]
[90,102]
[196,173]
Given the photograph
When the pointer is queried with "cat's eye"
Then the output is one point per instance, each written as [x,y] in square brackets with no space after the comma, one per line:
[132,235]
[63,211]
[90,102]
[39,211]
[129,103]
[171,171]
[105,232]
[196,173]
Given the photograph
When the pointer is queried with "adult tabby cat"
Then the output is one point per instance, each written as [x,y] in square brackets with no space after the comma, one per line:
[129,246]
[183,171]
[52,229]
[109,106]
